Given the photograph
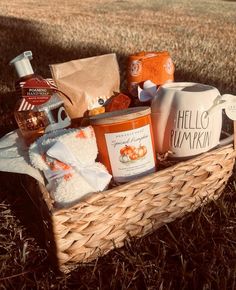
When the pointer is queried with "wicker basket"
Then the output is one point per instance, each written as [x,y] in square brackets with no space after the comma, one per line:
[104,220]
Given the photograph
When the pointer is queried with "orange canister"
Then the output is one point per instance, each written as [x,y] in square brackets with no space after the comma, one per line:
[125,142]
[156,66]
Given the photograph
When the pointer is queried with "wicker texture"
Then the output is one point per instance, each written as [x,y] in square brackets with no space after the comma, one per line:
[103,220]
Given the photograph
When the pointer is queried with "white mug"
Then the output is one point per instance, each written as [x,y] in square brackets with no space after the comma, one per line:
[187,118]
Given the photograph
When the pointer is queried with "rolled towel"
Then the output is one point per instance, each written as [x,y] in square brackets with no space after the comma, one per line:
[67,159]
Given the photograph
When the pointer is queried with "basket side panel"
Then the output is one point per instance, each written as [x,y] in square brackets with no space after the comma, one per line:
[103,221]
[39,195]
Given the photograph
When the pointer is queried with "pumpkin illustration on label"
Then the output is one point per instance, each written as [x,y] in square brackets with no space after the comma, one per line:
[131,153]
[142,150]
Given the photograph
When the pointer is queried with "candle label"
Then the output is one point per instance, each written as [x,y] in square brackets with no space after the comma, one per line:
[130,153]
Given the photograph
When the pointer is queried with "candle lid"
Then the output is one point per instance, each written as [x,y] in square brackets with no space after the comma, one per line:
[120,116]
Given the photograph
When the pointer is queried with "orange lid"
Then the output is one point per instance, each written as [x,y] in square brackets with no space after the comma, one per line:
[120,116]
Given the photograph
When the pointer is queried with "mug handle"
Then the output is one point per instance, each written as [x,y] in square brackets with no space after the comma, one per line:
[222,101]
[227,98]
[227,140]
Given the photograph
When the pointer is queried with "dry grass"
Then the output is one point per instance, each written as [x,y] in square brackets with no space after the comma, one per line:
[196,252]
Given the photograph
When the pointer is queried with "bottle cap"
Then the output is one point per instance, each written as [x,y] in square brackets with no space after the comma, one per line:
[22,64]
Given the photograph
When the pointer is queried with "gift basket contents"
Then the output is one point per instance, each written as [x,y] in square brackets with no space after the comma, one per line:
[39,109]
[154,66]
[67,159]
[100,151]
[125,142]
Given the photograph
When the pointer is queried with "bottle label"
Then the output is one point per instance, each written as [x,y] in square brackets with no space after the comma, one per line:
[130,153]
[35,92]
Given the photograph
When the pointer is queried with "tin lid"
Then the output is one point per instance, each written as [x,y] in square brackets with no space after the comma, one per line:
[120,116]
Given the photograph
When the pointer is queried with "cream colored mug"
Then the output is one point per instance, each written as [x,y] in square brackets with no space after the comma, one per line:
[187,118]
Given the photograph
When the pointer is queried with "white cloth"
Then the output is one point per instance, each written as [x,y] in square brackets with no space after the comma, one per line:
[67,158]
[148,92]
[94,175]
[14,156]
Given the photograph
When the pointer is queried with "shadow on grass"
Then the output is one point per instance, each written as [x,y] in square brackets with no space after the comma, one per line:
[20,35]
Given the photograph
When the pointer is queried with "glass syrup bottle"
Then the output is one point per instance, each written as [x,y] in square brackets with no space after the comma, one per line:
[39,109]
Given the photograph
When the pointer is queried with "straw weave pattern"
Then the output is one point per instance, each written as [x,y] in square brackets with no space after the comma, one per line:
[104,220]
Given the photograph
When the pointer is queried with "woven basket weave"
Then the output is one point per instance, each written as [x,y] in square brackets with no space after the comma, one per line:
[103,220]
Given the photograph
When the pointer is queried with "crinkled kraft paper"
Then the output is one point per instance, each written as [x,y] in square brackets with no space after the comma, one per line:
[86,82]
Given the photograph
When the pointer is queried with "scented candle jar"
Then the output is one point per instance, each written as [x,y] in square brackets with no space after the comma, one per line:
[125,142]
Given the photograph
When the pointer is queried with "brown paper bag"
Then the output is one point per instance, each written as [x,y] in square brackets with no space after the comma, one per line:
[88,82]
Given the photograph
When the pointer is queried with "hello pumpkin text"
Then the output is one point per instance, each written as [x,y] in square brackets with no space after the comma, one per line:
[192,129]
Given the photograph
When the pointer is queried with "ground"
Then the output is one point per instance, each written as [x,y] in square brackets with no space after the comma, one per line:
[197,251]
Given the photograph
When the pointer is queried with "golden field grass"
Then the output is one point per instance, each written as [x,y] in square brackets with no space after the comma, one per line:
[200,35]
[195,252]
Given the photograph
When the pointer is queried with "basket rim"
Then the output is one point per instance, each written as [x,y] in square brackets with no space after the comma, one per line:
[90,197]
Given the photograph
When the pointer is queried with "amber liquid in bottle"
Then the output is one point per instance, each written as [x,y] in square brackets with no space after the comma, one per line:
[31,124]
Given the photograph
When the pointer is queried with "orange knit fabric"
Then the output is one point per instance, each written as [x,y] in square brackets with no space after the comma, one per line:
[154,66]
